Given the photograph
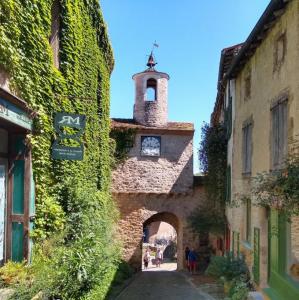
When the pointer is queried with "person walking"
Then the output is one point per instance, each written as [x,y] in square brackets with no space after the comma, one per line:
[146,258]
[192,261]
[187,250]
[159,257]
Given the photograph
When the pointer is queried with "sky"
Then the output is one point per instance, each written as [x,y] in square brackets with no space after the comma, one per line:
[190,35]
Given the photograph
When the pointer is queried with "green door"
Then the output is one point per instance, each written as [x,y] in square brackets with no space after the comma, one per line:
[3,201]
[18,203]
[282,286]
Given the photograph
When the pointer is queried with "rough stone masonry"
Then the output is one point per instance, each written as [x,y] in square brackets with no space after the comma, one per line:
[155,183]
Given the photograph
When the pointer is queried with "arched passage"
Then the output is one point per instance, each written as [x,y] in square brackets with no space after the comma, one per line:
[171,240]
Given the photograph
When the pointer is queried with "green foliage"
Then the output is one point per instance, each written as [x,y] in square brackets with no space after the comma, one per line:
[123,273]
[73,201]
[280,188]
[13,273]
[210,217]
[228,267]
[232,271]
[238,290]
[51,218]
[123,141]
[207,218]
[213,161]
[72,269]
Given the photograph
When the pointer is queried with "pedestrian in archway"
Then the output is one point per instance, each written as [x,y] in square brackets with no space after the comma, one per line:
[146,258]
[192,257]
[187,251]
[159,257]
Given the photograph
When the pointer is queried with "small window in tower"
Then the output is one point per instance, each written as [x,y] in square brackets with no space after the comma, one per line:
[55,31]
[151,89]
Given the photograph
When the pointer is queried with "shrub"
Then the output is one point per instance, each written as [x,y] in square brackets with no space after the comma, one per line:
[238,290]
[217,266]
[232,270]
[15,273]
[228,267]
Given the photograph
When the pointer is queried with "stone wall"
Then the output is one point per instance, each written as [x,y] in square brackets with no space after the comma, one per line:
[151,113]
[172,172]
[139,209]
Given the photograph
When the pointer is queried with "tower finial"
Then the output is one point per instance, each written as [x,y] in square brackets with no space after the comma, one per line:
[151,59]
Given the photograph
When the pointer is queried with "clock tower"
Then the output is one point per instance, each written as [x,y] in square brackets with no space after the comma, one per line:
[155,181]
[151,87]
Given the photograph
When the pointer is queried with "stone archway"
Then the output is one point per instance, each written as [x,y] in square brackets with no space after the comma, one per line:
[139,209]
[174,221]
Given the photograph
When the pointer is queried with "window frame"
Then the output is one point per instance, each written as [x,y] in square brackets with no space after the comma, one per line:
[247,146]
[279,132]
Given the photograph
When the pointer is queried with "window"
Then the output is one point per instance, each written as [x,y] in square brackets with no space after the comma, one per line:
[248,220]
[247,147]
[55,31]
[228,118]
[151,89]
[279,134]
[279,51]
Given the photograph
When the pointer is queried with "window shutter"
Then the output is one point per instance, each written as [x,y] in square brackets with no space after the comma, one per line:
[282,132]
[279,134]
[275,136]
[249,147]
[244,149]
[229,119]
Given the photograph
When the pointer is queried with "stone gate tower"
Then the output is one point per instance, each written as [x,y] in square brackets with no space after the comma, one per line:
[155,183]
[150,107]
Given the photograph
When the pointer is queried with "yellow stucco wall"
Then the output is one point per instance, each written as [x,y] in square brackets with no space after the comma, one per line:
[266,86]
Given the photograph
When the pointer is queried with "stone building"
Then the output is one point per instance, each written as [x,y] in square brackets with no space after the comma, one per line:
[258,93]
[34,84]
[155,183]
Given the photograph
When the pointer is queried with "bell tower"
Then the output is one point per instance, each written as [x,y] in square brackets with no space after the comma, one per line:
[151,89]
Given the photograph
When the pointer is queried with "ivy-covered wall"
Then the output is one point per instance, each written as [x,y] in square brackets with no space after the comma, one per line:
[75,255]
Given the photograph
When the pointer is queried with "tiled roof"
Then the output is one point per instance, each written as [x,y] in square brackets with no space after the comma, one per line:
[268,19]
[227,56]
[131,123]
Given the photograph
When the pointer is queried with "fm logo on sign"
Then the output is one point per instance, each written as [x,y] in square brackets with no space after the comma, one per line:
[63,121]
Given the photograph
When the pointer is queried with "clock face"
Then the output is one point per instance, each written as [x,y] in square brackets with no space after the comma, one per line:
[150,145]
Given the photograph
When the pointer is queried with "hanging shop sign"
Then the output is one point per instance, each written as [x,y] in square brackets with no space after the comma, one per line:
[69,128]
[15,115]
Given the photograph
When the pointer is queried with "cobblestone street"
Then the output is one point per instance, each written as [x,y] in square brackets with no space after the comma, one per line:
[164,283]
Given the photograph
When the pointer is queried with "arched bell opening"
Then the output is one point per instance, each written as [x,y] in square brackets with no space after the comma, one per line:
[151,89]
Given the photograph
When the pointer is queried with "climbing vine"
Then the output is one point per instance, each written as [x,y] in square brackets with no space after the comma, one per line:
[279,189]
[122,141]
[209,217]
[74,208]
[213,160]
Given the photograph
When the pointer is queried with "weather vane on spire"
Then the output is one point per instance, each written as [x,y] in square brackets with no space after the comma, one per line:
[151,60]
